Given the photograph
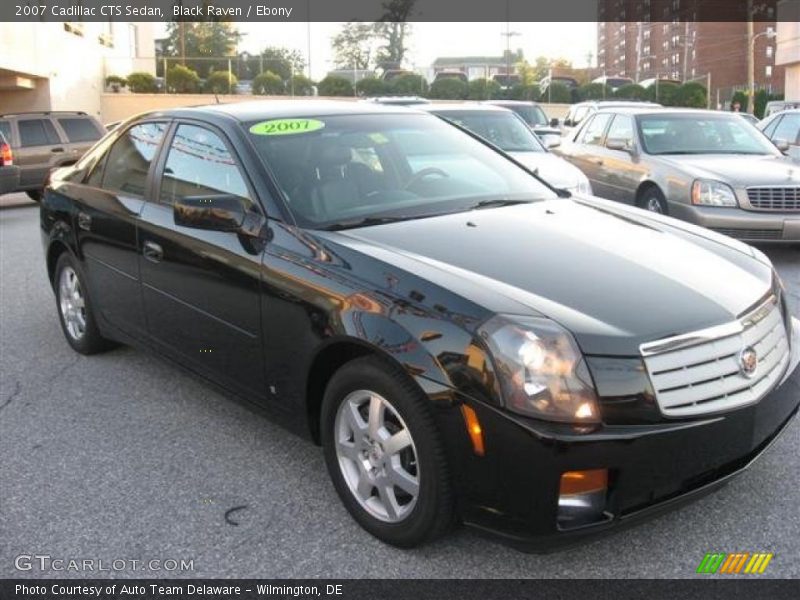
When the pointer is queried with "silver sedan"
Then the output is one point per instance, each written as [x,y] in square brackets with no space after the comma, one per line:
[709,168]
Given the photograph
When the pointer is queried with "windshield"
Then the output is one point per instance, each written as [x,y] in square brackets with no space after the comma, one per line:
[503,129]
[341,170]
[532,115]
[701,134]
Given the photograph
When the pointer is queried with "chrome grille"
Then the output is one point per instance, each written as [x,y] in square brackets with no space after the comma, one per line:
[774,198]
[700,373]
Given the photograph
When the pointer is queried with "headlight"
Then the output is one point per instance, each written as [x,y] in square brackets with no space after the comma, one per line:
[712,193]
[541,369]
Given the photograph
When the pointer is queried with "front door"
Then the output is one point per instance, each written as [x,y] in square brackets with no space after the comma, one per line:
[201,288]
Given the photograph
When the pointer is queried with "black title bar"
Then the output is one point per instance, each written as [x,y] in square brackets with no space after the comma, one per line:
[391,10]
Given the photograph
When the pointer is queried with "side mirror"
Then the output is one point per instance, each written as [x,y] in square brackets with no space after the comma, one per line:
[781,145]
[618,144]
[567,122]
[216,212]
[554,122]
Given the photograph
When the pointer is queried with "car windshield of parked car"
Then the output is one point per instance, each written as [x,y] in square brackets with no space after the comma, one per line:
[532,115]
[503,129]
[701,134]
[346,170]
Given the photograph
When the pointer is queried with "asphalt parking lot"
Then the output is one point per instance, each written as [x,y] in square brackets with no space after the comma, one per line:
[122,456]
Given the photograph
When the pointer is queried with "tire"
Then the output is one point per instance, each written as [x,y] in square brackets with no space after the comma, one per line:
[364,465]
[651,199]
[74,307]
[35,195]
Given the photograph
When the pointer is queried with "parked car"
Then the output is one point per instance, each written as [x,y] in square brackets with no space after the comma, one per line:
[783,128]
[398,100]
[9,172]
[568,82]
[42,141]
[776,106]
[613,83]
[450,74]
[464,343]
[706,167]
[650,82]
[533,115]
[506,82]
[752,119]
[580,111]
[506,130]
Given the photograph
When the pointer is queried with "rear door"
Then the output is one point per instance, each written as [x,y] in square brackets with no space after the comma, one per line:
[40,147]
[81,132]
[201,288]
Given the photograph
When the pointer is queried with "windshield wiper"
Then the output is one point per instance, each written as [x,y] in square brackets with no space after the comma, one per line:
[497,203]
[368,221]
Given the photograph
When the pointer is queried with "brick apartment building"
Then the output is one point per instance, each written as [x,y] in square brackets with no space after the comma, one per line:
[676,39]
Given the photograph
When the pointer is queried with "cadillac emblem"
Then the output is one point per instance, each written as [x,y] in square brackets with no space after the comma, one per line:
[748,362]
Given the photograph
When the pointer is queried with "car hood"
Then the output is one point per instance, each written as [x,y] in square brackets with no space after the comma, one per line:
[615,278]
[739,170]
[553,169]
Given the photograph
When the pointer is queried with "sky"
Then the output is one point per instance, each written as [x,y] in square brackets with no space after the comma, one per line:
[573,41]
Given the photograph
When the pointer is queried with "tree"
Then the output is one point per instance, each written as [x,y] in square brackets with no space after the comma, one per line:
[594,91]
[663,93]
[557,93]
[529,92]
[335,86]
[393,30]
[691,94]
[371,86]
[483,89]
[409,84]
[182,80]
[221,82]
[301,85]
[448,89]
[352,46]
[631,91]
[142,83]
[268,84]
[283,62]
[534,73]
[202,46]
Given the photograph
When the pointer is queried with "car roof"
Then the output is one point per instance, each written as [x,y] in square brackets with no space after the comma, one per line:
[461,107]
[619,104]
[645,110]
[281,109]
[77,113]
[510,103]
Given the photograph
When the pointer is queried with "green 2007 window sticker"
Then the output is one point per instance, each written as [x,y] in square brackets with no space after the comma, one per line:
[286,126]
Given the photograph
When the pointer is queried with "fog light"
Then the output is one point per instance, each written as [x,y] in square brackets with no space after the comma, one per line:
[582,497]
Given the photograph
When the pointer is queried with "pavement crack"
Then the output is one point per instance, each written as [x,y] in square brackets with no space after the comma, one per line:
[14,394]
[230,511]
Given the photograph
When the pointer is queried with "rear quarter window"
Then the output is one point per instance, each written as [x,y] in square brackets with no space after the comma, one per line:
[5,130]
[80,130]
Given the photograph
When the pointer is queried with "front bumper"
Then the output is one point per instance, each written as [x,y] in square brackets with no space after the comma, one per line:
[745,225]
[512,492]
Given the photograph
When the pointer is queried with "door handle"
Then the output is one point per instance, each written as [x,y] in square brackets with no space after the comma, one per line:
[84,221]
[56,149]
[153,252]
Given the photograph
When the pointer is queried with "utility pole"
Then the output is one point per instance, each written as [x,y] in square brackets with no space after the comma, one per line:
[751,59]
[686,51]
[508,35]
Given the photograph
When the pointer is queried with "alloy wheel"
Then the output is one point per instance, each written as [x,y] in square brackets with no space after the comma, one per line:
[72,303]
[653,204]
[377,456]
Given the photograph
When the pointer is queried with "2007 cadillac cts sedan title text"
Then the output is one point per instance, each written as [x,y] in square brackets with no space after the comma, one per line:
[466,342]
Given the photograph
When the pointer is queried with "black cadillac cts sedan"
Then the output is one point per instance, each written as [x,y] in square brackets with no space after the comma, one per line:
[464,341]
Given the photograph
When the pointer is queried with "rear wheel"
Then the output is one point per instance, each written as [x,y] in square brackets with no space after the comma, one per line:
[35,195]
[75,309]
[384,455]
[653,200]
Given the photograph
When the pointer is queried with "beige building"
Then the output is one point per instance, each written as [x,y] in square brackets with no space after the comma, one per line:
[787,51]
[62,66]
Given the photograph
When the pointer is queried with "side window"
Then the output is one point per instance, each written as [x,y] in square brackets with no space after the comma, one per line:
[37,132]
[770,128]
[5,129]
[580,114]
[80,130]
[199,165]
[593,132]
[621,129]
[128,161]
[787,129]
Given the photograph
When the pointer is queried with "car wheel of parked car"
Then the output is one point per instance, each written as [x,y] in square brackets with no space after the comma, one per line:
[653,200]
[35,195]
[74,309]
[384,454]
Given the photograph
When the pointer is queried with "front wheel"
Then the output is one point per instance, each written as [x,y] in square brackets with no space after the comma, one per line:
[384,455]
[653,200]
[35,195]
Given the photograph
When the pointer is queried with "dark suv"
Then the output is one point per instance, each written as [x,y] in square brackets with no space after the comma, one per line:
[44,140]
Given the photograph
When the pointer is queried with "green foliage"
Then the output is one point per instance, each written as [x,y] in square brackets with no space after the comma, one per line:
[692,95]
[142,83]
[335,86]
[393,30]
[352,45]
[664,93]
[528,92]
[557,93]
[448,89]
[372,86]
[301,85]
[219,82]
[760,102]
[594,91]
[115,82]
[202,40]
[631,91]
[182,80]
[409,84]
[741,98]
[483,89]
[281,61]
[268,84]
